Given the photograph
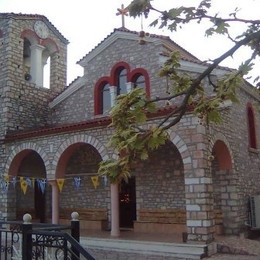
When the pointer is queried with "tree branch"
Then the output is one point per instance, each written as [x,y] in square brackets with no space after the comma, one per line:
[196,82]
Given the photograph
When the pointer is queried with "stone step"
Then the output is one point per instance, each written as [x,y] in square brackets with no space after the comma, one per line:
[176,250]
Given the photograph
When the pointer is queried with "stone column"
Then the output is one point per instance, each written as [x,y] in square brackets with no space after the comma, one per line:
[115,231]
[55,201]
[37,65]
[199,189]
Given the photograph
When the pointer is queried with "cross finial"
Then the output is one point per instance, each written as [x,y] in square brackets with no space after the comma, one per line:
[123,12]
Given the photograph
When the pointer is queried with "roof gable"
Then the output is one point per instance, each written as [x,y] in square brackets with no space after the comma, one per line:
[123,33]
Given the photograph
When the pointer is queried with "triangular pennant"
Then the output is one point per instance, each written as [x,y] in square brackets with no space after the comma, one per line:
[23,185]
[29,182]
[95,181]
[77,181]
[5,187]
[42,184]
[6,178]
[14,181]
[60,183]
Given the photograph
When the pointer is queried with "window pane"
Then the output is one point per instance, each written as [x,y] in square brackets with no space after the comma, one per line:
[122,82]
[106,102]
[139,82]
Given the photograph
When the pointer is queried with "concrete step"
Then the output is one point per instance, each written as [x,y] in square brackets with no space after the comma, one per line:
[175,250]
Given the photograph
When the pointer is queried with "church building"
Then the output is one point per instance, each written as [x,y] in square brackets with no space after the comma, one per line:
[200,183]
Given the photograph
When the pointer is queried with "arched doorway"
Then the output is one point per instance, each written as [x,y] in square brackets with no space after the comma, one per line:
[224,188]
[127,203]
[78,165]
[160,192]
[30,188]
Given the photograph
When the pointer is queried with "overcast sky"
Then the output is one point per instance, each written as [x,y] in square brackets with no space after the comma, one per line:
[85,23]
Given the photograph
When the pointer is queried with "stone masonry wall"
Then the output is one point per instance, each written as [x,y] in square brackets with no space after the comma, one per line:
[23,105]
[244,179]
[80,105]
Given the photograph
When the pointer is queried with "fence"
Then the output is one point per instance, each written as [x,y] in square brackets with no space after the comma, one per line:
[41,241]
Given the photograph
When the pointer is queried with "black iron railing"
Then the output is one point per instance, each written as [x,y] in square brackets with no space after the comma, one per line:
[27,241]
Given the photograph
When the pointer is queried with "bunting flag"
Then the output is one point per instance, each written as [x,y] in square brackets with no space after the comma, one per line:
[104,180]
[4,186]
[14,181]
[28,181]
[42,184]
[6,178]
[23,185]
[60,183]
[77,181]
[95,181]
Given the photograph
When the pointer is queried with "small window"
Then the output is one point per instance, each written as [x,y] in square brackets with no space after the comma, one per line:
[251,127]
[139,82]
[106,99]
[122,80]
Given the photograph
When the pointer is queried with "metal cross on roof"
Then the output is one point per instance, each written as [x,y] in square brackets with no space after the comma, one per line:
[123,12]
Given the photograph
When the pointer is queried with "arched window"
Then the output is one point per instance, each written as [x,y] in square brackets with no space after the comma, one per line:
[139,81]
[251,127]
[102,97]
[140,78]
[121,81]
[106,99]
[121,78]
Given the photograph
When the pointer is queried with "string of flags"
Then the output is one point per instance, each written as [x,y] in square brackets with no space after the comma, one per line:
[7,181]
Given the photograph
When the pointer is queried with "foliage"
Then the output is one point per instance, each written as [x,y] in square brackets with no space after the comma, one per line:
[130,139]
[131,142]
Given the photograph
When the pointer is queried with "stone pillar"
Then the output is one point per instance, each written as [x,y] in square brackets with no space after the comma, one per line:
[55,201]
[37,65]
[199,189]
[115,231]
[199,208]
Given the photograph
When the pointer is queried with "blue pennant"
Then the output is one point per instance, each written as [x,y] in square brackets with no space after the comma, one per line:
[29,182]
[14,181]
[42,184]
[77,181]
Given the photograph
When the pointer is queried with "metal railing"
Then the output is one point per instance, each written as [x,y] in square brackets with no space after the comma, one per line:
[28,241]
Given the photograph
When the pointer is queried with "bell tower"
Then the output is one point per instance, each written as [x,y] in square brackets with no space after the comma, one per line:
[27,44]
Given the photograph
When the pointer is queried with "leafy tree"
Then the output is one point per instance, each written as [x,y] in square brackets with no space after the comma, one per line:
[132,141]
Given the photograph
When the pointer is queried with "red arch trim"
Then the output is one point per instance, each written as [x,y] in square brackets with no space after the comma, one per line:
[30,35]
[141,71]
[222,155]
[115,70]
[112,82]
[97,94]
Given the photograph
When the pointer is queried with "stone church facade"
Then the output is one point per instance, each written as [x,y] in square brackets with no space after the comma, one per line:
[52,139]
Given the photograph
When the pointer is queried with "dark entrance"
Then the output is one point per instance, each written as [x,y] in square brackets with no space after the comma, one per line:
[127,203]
[39,204]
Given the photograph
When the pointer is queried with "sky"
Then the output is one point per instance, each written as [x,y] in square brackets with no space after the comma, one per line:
[85,23]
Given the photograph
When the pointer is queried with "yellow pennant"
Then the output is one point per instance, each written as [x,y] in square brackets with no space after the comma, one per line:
[95,181]
[23,184]
[60,183]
